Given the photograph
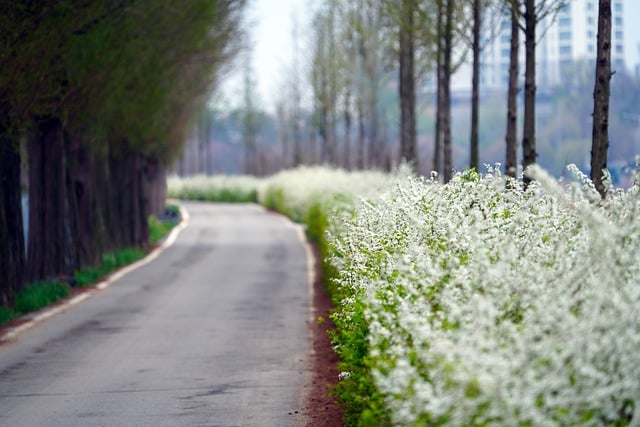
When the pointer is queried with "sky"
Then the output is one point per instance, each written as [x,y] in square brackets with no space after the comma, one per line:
[269,25]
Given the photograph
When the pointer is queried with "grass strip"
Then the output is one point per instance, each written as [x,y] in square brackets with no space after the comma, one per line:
[36,296]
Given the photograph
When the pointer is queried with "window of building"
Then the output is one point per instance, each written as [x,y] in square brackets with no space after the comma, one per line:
[591,48]
[505,53]
[589,5]
[564,21]
[618,35]
[618,7]
[619,49]
[590,20]
[565,50]
[618,20]
[590,34]
[564,35]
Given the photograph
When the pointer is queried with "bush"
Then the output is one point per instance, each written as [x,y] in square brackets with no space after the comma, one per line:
[218,188]
[487,305]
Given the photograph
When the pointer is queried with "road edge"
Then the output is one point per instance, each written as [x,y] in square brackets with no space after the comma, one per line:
[28,321]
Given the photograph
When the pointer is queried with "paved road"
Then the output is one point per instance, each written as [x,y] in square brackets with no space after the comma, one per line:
[212,333]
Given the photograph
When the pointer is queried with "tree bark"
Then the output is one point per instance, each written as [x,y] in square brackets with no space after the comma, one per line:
[437,144]
[128,202]
[529,153]
[51,252]
[360,163]
[12,250]
[407,86]
[474,149]
[601,93]
[346,156]
[512,95]
[154,186]
[446,95]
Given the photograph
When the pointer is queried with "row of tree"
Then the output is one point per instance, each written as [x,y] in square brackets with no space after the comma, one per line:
[361,47]
[96,98]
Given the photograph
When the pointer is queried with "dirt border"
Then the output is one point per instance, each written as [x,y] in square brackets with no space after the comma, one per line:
[319,408]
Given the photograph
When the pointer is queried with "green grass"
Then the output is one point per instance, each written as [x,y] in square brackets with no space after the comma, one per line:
[38,295]
[110,262]
[6,315]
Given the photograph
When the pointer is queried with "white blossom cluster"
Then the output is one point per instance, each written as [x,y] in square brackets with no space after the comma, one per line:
[298,192]
[214,188]
[487,305]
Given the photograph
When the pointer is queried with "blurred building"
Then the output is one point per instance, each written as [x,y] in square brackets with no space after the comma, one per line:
[564,40]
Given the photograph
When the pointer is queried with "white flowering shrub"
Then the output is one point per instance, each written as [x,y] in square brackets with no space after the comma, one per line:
[487,305]
[309,194]
[217,188]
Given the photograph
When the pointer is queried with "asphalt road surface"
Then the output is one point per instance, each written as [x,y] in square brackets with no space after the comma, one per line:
[211,333]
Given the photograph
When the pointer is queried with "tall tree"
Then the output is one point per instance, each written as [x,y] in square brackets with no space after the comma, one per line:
[437,145]
[249,120]
[446,95]
[513,8]
[105,92]
[601,93]
[533,14]
[11,227]
[296,94]
[529,153]
[475,74]
[406,82]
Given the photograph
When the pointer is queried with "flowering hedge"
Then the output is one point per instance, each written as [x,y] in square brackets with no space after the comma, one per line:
[218,188]
[487,305]
[476,303]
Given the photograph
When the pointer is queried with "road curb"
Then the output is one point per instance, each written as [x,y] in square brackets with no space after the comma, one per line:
[30,320]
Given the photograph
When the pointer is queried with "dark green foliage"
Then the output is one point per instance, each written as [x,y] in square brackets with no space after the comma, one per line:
[6,315]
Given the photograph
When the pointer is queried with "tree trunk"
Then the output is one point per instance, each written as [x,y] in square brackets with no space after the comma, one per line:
[437,144]
[360,162]
[407,86]
[446,96]
[154,186]
[474,160]
[128,202]
[512,96]
[51,252]
[529,154]
[601,92]
[346,156]
[375,139]
[12,250]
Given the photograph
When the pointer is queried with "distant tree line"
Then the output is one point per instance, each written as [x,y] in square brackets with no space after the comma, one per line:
[361,48]
[96,99]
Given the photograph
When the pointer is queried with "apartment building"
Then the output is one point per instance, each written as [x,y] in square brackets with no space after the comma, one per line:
[564,41]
